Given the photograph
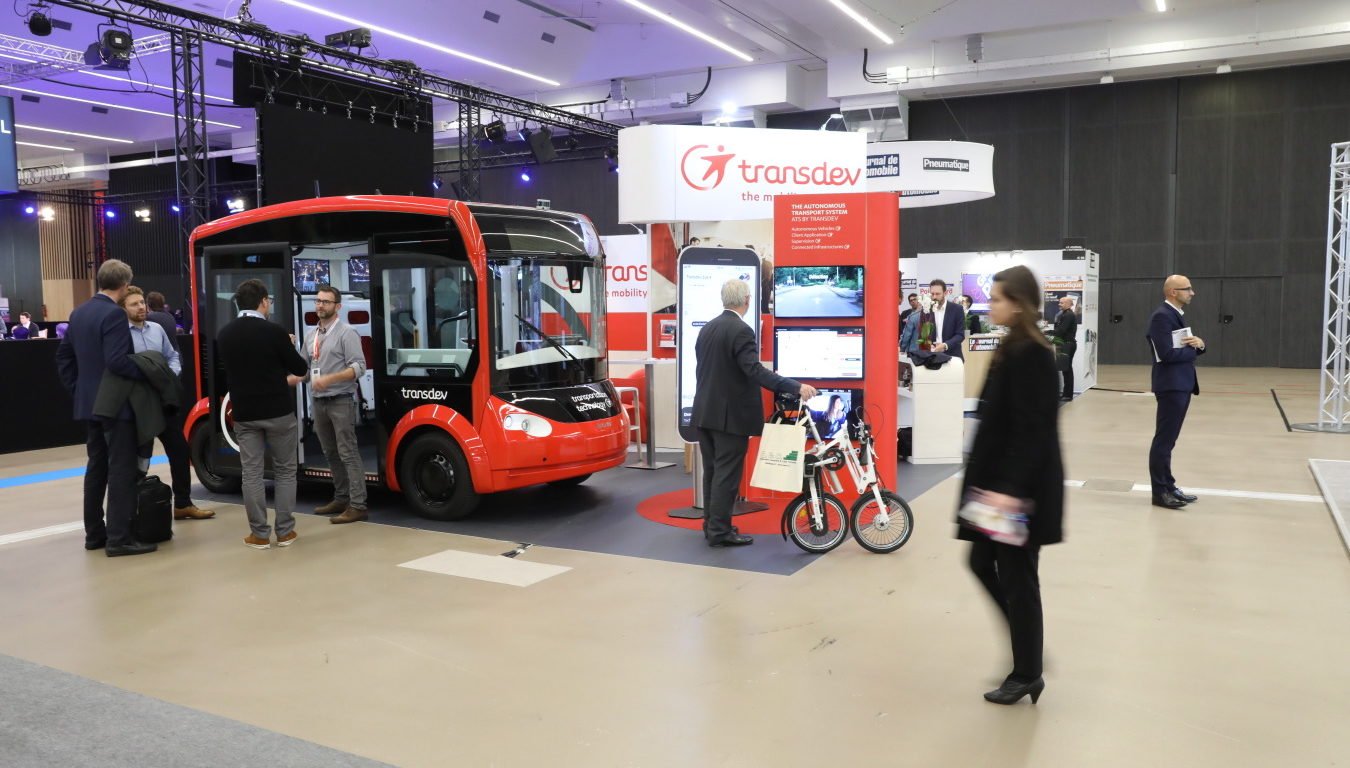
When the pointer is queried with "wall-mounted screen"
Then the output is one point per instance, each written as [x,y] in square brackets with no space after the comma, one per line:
[831,410]
[819,353]
[821,291]
[358,274]
[310,274]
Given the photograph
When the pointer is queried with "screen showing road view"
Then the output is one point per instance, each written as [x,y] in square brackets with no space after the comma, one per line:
[818,291]
[819,353]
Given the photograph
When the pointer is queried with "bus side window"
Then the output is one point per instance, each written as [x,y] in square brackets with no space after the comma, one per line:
[429,316]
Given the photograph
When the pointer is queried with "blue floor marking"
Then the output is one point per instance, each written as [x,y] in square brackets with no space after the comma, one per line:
[58,474]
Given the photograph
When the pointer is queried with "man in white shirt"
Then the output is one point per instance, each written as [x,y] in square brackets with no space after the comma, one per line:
[150,337]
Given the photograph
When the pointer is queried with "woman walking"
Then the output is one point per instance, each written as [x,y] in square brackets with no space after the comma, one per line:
[1013,494]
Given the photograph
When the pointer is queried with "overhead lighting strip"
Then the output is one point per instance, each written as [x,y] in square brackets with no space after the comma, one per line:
[863,21]
[105,104]
[43,146]
[674,22]
[73,133]
[417,41]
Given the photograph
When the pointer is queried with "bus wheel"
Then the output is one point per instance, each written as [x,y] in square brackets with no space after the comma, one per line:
[200,449]
[435,478]
[570,481]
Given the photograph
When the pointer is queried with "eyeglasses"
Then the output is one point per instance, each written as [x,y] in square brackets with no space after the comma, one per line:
[324,301]
[1188,289]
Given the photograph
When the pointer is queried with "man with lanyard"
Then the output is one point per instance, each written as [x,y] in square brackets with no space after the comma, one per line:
[150,337]
[333,353]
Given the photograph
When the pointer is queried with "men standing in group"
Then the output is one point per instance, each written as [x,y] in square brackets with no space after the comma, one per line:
[259,356]
[1066,330]
[728,409]
[146,337]
[97,340]
[1174,381]
[335,360]
[949,321]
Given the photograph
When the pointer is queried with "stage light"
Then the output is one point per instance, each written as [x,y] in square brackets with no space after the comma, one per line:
[175,208]
[495,131]
[571,142]
[39,23]
[30,210]
[143,215]
[235,205]
[525,176]
[524,134]
[47,213]
[110,213]
[728,107]
[436,182]
[112,52]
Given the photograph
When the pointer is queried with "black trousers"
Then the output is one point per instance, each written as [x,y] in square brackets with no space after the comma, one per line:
[1172,407]
[1067,350]
[1010,576]
[180,466]
[111,446]
[723,464]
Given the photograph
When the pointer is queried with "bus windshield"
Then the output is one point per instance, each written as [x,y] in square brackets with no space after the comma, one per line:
[548,317]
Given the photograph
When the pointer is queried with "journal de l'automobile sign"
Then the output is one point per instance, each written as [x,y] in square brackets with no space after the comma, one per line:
[699,173]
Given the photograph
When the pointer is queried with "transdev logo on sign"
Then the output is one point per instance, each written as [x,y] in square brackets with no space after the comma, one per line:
[704,167]
[946,164]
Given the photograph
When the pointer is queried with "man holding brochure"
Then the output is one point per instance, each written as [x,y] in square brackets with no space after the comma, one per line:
[1174,349]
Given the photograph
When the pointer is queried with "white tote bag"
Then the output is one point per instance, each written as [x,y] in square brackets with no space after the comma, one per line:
[782,450]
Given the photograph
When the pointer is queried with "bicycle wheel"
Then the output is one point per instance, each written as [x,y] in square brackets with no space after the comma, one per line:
[878,535]
[812,535]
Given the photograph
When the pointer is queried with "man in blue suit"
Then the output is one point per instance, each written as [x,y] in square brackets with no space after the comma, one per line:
[98,340]
[1174,382]
[949,321]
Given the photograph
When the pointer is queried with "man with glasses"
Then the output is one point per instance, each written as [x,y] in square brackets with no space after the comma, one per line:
[335,361]
[1174,350]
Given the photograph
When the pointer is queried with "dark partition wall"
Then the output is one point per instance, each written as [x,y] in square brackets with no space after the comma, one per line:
[20,258]
[1220,177]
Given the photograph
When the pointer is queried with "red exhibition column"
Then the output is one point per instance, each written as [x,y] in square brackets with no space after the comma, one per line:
[855,229]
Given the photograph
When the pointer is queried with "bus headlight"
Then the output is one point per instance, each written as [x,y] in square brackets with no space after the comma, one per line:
[532,425]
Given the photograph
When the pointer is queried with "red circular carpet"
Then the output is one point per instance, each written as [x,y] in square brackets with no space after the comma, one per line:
[760,523]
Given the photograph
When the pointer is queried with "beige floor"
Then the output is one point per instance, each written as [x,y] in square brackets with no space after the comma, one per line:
[1216,636]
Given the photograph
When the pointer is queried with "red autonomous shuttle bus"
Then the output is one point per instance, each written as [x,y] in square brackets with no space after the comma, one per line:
[484,332]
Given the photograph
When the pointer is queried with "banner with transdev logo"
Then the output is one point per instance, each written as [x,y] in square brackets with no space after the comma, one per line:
[709,173]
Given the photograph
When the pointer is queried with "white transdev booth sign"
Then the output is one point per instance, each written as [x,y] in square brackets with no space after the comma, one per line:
[701,173]
[931,172]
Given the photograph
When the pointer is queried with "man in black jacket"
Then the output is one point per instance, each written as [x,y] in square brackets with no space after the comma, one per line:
[257,355]
[154,300]
[1174,351]
[728,409]
[1066,330]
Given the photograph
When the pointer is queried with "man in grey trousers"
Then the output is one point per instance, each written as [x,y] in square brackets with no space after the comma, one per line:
[335,361]
[258,356]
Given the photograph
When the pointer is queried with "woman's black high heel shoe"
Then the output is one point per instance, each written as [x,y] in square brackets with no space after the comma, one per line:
[1011,692]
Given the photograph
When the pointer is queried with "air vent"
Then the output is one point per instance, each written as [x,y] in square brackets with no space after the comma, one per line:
[58,24]
[226,63]
[492,17]
[99,110]
[30,98]
[546,37]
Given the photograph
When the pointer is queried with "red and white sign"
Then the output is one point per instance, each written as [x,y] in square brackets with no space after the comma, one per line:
[707,173]
[627,286]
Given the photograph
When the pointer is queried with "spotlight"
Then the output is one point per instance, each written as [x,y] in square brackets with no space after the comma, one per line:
[352,38]
[524,134]
[47,213]
[40,24]
[175,208]
[235,205]
[30,210]
[495,131]
[112,52]
[110,213]
[571,142]
[436,182]
[612,157]
[525,176]
[143,215]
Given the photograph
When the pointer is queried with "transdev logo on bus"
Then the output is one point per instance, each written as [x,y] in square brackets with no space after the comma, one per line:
[704,167]
[424,394]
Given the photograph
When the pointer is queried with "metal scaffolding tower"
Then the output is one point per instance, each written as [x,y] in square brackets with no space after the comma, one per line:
[1334,394]
[190,142]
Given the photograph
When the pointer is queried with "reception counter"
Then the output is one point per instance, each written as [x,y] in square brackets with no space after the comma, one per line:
[35,410]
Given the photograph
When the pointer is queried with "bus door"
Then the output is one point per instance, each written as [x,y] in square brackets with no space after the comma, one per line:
[221,270]
[425,315]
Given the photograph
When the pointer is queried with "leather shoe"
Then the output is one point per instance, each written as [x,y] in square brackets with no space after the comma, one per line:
[192,513]
[131,548]
[93,545]
[1184,497]
[1168,501]
[351,515]
[731,540]
[334,507]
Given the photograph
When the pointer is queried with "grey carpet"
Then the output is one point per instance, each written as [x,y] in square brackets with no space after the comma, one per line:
[52,719]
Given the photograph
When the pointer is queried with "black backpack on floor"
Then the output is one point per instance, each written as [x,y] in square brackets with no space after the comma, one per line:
[153,521]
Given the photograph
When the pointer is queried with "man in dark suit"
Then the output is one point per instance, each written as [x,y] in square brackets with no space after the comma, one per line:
[728,409]
[949,321]
[98,340]
[1066,330]
[154,300]
[1174,382]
